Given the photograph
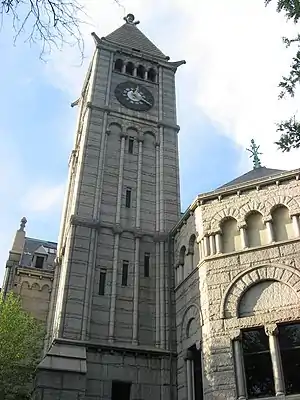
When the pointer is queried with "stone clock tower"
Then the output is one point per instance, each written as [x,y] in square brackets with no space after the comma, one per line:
[110,334]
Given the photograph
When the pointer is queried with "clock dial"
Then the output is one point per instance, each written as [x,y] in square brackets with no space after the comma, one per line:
[134,96]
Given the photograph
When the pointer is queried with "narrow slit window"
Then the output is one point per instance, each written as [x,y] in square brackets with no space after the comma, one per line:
[147,265]
[125,273]
[102,283]
[128,198]
[130,145]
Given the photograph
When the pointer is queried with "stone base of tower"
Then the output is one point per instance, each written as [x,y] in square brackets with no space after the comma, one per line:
[62,373]
[90,371]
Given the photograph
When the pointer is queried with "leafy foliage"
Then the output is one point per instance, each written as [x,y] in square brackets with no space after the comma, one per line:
[21,339]
[51,23]
[290,129]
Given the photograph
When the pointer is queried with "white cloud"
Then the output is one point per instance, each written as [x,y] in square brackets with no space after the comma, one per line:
[42,198]
[235,59]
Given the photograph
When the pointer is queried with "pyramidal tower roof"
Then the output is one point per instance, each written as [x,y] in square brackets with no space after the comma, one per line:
[130,36]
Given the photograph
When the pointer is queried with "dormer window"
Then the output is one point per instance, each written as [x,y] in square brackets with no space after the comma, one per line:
[39,261]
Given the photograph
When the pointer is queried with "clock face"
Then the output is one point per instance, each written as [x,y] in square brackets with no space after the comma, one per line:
[134,96]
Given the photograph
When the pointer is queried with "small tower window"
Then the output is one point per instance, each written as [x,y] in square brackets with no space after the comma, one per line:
[128,198]
[130,145]
[102,283]
[152,75]
[129,68]
[119,65]
[147,265]
[140,72]
[39,262]
[125,273]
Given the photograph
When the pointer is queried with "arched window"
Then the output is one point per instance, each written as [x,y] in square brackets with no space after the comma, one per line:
[152,75]
[119,65]
[129,68]
[140,72]
[181,273]
[231,240]
[193,253]
[257,234]
[282,223]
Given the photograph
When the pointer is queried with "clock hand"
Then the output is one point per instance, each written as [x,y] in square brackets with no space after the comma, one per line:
[145,101]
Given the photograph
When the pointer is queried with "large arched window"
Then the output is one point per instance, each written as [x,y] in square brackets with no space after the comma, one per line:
[129,68]
[140,72]
[119,65]
[257,234]
[231,240]
[152,75]
[282,223]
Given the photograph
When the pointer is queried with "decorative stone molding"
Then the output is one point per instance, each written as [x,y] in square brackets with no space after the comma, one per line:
[193,311]
[292,203]
[222,215]
[276,272]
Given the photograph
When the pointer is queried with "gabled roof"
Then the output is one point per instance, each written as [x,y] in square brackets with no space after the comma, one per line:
[253,175]
[34,246]
[129,35]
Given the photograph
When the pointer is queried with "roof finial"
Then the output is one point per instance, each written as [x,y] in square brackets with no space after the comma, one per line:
[130,20]
[255,154]
[22,224]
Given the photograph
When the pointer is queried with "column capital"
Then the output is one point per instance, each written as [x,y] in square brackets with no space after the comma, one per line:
[271,330]
[235,335]
[266,219]
[242,225]
[123,135]
[188,355]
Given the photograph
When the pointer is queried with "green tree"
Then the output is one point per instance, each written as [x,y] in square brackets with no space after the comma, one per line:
[21,340]
[290,129]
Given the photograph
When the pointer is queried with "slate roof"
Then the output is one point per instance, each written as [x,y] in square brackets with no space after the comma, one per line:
[129,35]
[32,246]
[253,175]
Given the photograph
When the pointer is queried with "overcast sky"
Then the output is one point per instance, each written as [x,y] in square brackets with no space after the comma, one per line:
[226,95]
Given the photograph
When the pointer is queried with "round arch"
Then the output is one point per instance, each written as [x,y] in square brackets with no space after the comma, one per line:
[243,281]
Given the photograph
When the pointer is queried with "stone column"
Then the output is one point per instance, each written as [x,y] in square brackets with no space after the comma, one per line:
[113,289]
[269,226]
[146,75]
[162,294]
[202,247]
[272,332]
[139,185]
[189,375]
[218,242]
[157,295]
[243,233]
[134,71]
[123,68]
[136,291]
[120,181]
[239,365]
[206,245]
[212,244]
[295,219]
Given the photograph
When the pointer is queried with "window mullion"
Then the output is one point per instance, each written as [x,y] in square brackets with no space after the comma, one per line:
[239,366]
[272,333]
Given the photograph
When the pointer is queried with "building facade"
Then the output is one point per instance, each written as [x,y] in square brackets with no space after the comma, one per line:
[143,302]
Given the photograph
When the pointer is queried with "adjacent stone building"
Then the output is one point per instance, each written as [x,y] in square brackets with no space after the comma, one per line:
[146,302]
